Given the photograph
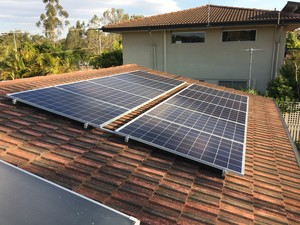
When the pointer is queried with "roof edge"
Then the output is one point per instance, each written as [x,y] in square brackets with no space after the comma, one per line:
[178,26]
[291,7]
[293,145]
[51,76]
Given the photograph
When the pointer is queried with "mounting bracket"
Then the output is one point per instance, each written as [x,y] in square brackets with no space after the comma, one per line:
[223,173]
[14,101]
[86,125]
[127,138]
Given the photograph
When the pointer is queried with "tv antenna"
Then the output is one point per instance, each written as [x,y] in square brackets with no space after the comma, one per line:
[251,50]
[208,14]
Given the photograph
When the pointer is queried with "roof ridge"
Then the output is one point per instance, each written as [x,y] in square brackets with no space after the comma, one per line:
[245,8]
[192,16]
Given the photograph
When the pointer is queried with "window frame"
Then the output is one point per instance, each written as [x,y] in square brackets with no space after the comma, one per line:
[245,83]
[187,32]
[255,38]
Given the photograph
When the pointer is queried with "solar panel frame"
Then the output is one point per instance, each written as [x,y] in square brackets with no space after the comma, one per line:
[119,132]
[27,199]
[58,112]
[87,123]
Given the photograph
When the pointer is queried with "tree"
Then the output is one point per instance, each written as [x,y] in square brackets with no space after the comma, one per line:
[35,60]
[292,40]
[52,20]
[75,36]
[93,36]
[284,87]
[292,43]
[107,59]
[113,16]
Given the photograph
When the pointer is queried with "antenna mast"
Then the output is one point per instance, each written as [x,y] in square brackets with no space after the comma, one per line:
[208,14]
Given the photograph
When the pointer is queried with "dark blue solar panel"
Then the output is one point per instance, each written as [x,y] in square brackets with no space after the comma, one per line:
[160,79]
[106,94]
[199,123]
[140,80]
[80,108]
[98,101]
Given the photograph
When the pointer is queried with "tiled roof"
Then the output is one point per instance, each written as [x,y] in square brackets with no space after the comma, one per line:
[154,186]
[198,17]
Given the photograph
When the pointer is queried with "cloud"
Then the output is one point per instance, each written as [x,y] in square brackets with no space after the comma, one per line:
[163,6]
[86,9]
[17,13]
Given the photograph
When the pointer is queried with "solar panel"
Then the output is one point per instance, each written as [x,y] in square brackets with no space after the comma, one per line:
[199,123]
[97,102]
[26,199]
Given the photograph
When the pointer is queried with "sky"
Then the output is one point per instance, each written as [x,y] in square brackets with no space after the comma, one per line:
[23,14]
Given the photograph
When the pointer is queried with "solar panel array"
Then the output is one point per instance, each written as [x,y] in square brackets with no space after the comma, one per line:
[200,123]
[101,100]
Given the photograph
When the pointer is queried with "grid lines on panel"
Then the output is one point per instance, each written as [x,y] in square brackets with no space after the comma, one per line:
[187,124]
[100,100]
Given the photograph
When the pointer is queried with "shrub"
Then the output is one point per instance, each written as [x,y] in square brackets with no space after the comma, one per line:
[107,59]
[280,89]
[253,91]
[288,71]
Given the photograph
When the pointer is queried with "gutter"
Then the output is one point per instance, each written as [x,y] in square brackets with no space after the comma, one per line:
[273,74]
[99,40]
[154,50]
[199,25]
[278,43]
[165,51]
[293,145]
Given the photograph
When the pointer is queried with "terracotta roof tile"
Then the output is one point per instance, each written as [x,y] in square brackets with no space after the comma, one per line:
[198,17]
[154,186]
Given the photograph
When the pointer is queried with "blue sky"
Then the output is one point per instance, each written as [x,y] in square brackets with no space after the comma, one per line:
[23,14]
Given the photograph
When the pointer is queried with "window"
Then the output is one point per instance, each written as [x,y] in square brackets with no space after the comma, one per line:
[238,85]
[239,35]
[188,37]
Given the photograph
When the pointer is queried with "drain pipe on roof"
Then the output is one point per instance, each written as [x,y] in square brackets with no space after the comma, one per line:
[278,44]
[272,75]
[154,51]
[99,41]
[165,51]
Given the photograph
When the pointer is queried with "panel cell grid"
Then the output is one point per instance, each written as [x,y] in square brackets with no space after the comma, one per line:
[101,100]
[199,123]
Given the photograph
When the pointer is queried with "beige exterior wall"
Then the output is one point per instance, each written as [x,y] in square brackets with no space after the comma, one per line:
[211,61]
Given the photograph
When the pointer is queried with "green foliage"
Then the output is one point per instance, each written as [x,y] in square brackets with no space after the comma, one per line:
[253,91]
[107,59]
[76,41]
[87,42]
[285,87]
[292,73]
[35,60]
[292,40]
[280,89]
[24,55]
[52,20]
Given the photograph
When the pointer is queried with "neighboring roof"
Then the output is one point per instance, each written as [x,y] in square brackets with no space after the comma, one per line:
[292,7]
[204,16]
[154,186]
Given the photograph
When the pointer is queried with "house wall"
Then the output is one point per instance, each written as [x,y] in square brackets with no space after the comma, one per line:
[212,60]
